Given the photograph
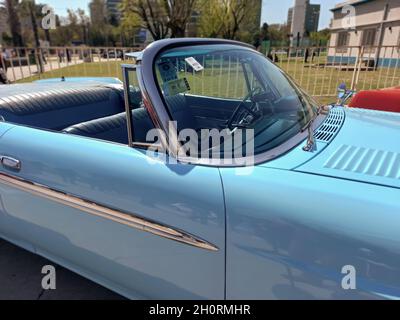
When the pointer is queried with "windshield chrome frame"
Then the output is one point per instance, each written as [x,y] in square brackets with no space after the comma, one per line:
[126,68]
[156,105]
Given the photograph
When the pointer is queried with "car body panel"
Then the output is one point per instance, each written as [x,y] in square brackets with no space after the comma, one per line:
[85,80]
[294,224]
[282,229]
[289,235]
[296,157]
[132,262]
[366,149]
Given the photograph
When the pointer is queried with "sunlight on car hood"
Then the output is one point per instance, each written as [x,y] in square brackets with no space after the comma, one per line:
[366,149]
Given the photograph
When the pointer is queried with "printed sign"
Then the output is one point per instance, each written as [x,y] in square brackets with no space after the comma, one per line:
[194,64]
[167,71]
[174,87]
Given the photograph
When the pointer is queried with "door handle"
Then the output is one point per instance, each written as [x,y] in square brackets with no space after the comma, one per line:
[10,163]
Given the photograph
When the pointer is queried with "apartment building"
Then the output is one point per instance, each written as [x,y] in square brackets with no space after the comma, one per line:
[303,19]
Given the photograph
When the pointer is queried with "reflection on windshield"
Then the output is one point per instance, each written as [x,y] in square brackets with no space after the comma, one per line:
[228,87]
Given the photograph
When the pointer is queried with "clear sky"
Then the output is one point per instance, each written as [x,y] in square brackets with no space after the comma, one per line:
[274,11]
[61,6]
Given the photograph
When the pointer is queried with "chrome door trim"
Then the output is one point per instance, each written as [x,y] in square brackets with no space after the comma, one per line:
[10,163]
[102,211]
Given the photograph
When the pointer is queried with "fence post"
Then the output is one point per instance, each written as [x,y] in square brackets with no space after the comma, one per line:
[357,68]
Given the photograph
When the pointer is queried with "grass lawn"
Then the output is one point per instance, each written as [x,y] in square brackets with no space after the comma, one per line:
[94,69]
[319,81]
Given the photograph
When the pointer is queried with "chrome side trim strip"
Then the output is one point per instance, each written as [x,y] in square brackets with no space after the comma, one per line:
[98,210]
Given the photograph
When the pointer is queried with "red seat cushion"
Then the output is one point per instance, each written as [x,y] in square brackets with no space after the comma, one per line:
[385,100]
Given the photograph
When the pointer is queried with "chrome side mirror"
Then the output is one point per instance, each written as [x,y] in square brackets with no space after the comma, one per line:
[342,90]
[344,94]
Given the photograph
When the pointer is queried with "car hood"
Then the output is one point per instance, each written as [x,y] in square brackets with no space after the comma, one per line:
[365,149]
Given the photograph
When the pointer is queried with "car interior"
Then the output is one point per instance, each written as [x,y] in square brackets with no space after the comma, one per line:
[96,112]
[99,112]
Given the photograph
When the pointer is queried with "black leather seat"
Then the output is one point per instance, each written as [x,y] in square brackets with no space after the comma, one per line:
[181,112]
[61,108]
[114,128]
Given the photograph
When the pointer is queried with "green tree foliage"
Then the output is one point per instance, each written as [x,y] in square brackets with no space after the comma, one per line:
[151,13]
[130,23]
[28,8]
[161,18]
[320,38]
[98,13]
[178,13]
[277,34]
[14,21]
[230,19]
[74,28]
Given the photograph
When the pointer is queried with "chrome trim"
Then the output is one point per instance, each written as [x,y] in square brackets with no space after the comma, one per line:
[98,210]
[131,132]
[149,87]
[10,163]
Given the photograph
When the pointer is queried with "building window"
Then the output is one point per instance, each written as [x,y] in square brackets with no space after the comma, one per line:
[368,38]
[343,39]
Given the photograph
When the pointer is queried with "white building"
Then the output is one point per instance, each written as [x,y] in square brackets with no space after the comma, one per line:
[375,26]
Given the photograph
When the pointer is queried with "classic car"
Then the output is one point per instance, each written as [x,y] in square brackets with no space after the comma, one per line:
[107,181]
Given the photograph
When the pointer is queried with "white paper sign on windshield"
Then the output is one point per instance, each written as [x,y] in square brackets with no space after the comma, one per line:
[194,64]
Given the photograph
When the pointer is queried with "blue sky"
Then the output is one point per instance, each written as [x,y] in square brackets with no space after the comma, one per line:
[274,11]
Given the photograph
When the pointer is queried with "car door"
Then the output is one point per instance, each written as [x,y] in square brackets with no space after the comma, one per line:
[143,228]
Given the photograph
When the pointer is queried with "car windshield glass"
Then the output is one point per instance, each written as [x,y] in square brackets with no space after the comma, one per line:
[229,87]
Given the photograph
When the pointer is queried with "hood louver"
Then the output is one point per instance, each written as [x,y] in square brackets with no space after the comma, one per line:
[327,131]
[365,161]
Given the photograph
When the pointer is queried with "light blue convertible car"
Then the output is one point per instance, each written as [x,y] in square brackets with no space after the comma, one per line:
[126,184]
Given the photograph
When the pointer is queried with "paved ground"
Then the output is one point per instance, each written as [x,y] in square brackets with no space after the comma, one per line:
[20,278]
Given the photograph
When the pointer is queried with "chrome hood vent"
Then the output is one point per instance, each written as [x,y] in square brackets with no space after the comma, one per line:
[331,126]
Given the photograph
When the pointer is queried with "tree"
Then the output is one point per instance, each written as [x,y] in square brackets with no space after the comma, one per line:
[152,15]
[320,38]
[210,20]
[84,23]
[14,22]
[29,9]
[98,13]
[227,18]
[130,24]
[178,13]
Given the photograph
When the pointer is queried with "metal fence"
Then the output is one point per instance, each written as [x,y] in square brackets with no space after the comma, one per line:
[319,70]
[28,64]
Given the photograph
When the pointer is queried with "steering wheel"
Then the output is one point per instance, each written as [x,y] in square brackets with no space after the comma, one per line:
[244,113]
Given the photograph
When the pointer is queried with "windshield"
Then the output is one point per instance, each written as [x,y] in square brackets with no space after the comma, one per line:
[230,88]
